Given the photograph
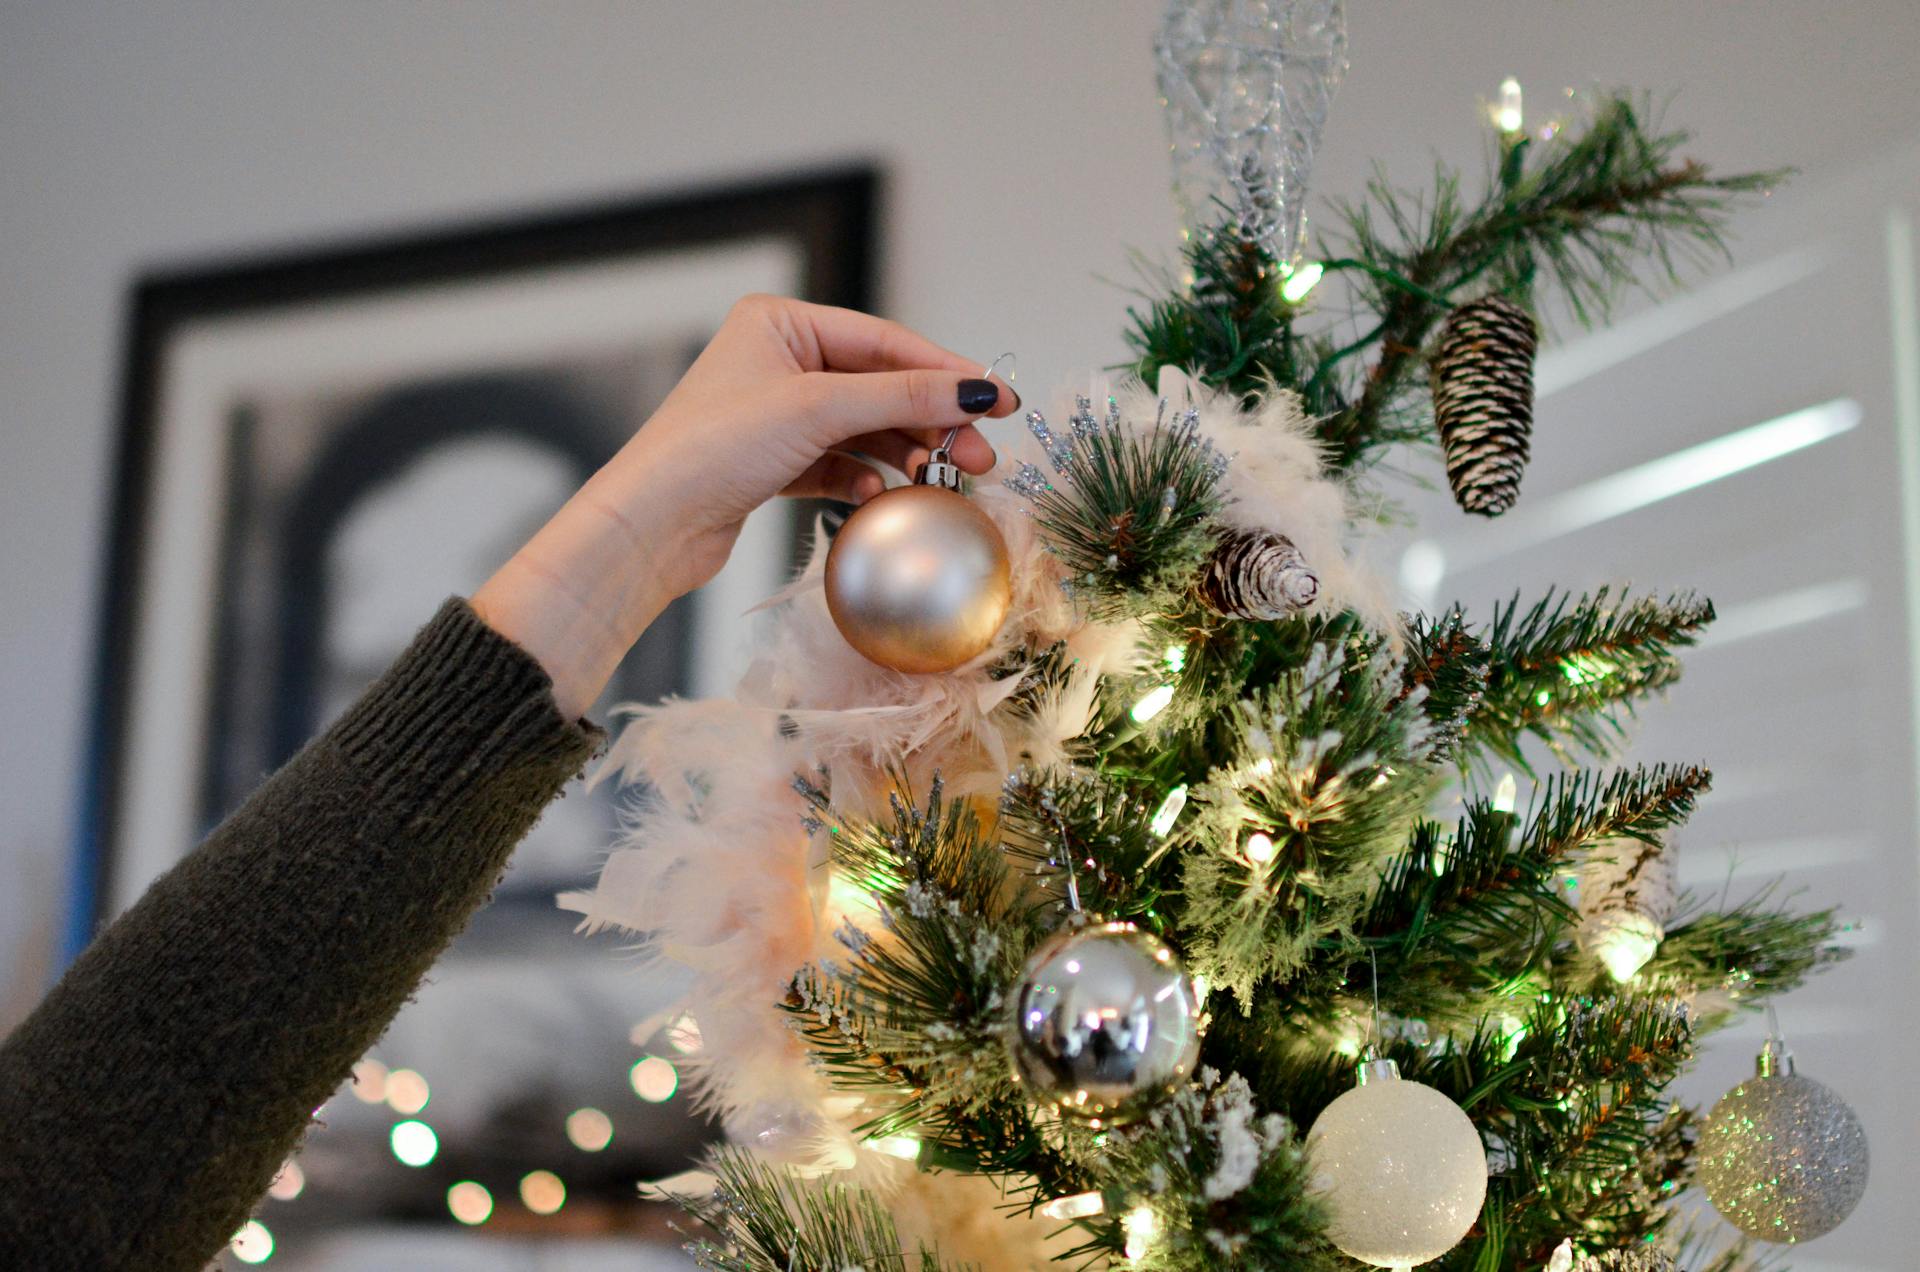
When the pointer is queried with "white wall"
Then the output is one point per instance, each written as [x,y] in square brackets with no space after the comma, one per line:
[1023,143]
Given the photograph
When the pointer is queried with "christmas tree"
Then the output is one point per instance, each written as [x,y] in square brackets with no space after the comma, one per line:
[1075,951]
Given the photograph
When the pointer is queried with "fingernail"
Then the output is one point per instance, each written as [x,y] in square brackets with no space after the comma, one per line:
[977,397]
[1016,396]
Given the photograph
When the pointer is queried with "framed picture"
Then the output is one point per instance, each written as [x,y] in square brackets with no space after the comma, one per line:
[316,449]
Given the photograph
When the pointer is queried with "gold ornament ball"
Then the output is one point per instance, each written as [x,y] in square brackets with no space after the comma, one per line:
[918,579]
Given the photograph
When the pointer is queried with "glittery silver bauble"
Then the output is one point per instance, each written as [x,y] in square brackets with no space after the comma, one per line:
[1781,1156]
[1403,1170]
[1105,1023]
[1246,85]
[918,579]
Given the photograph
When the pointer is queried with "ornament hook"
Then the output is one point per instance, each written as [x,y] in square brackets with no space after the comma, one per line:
[986,373]
[1774,1060]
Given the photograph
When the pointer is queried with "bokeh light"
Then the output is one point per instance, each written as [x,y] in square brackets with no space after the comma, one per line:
[414,1142]
[253,1243]
[542,1192]
[288,1183]
[654,1079]
[590,1130]
[370,1081]
[407,1091]
[469,1202]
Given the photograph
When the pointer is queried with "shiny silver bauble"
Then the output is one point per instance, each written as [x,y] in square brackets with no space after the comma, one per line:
[918,579]
[1105,1024]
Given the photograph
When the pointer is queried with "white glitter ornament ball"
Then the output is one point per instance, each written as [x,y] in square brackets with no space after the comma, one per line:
[1403,1170]
[1782,1157]
[1106,1024]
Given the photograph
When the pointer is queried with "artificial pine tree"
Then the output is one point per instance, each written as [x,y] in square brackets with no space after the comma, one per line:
[859,866]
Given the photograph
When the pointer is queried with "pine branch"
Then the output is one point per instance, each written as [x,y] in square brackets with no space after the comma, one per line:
[1753,951]
[770,1220]
[1331,765]
[1129,509]
[1460,922]
[1210,1182]
[917,1007]
[1585,210]
[1568,670]
[1077,833]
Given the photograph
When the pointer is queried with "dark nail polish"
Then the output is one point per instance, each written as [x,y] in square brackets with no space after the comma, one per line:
[977,397]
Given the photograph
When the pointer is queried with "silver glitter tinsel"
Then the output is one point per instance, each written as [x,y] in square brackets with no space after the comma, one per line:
[1636,1259]
[1782,1157]
[1246,86]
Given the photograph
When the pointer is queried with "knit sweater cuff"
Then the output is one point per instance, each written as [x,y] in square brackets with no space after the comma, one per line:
[463,702]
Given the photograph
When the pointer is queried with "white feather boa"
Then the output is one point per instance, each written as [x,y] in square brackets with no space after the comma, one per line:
[716,870]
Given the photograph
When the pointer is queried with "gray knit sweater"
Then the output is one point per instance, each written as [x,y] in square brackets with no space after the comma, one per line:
[147,1103]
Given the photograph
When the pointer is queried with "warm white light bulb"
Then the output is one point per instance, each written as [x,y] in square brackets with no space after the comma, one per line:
[1507,116]
[1507,794]
[1301,281]
[1169,811]
[1152,705]
[1141,1226]
[1625,949]
[1260,849]
[1076,1206]
[905,1147]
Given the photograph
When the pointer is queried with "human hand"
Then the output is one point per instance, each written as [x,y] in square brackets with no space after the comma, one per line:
[772,406]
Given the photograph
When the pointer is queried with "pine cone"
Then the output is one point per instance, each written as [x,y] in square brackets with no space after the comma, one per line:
[1483,401]
[1257,574]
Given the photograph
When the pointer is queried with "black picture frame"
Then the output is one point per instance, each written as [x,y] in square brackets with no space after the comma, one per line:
[832,216]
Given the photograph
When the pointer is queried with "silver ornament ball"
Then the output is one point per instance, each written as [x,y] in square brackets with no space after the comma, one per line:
[1105,1024]
[1402,1168]
[1782,1157]
[918,579]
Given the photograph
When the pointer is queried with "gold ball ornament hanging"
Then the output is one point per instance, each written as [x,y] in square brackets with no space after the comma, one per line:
[918,578]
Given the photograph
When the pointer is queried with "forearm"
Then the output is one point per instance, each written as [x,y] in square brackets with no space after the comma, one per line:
[147,1103]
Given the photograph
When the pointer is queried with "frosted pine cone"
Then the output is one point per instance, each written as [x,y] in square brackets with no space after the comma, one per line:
[1483,401]
[1257,574]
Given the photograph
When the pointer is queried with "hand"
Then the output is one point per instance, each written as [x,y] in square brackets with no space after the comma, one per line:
[772,406]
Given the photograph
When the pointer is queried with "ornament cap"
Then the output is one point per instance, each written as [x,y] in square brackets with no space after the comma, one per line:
[1374,1069]
[1774,1060]
[939,470]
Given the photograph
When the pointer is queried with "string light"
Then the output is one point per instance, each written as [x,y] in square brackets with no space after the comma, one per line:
[1625,949]
[253,1243]
[470,1203]
[905,1147]
[1176,658]
[654,1079]
[1507,794]
[1260,849]
[1507,115]
[407,1092]
[1301,280]
[1141,1226]
[414,1143]
[589,1130]
[1169,811]
[542,1192]
[1152,705]
[1075,1206]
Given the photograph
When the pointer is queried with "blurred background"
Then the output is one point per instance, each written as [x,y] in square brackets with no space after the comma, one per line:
[977,170]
